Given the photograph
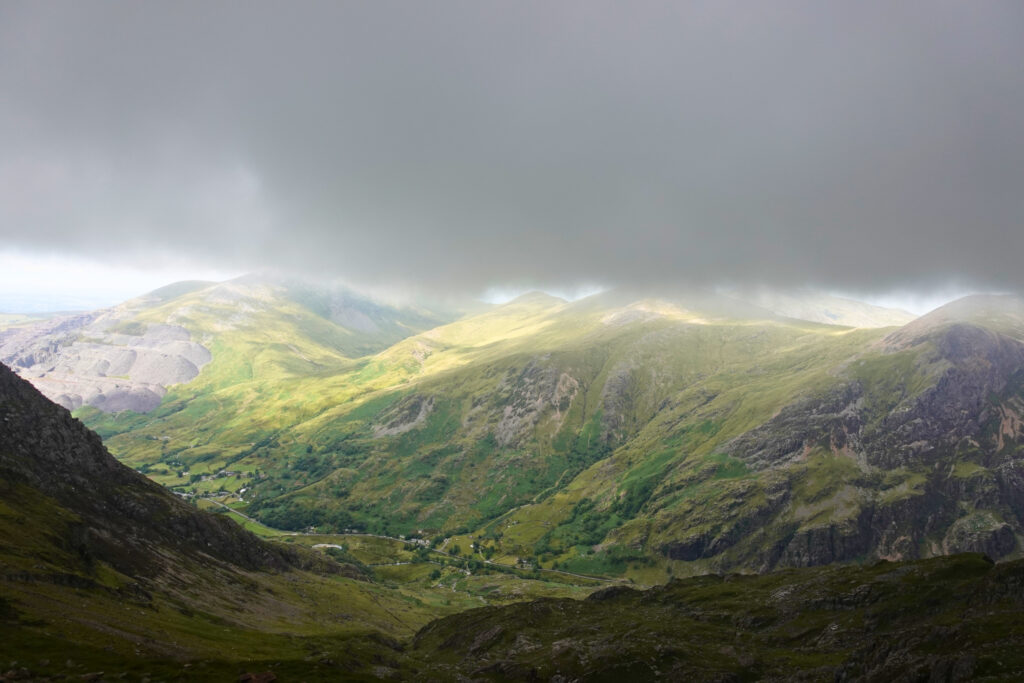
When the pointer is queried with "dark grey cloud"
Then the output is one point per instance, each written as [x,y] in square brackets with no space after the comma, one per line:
[860,145]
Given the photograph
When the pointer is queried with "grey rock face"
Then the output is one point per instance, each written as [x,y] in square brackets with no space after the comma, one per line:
[954,439]
[410,413]
[85,360]
[972,364]
[525,398]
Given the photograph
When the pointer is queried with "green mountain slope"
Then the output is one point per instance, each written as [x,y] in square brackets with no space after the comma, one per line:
[906,448]
[824,308]
[617,435]
[101,567]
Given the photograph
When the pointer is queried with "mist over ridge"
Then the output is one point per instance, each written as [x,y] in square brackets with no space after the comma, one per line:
[458,147]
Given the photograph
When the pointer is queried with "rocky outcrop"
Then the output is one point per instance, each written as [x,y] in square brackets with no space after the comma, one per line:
[784,439]
[980,364]
[617,402]
[980,533]
[946,428]
[970,365]
[407,414]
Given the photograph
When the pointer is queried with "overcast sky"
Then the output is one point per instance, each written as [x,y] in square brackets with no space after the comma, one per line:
[856,146]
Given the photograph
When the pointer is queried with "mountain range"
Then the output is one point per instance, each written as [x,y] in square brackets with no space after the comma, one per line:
[625,434]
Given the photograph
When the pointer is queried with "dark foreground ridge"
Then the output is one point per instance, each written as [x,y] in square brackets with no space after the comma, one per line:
[945,619]
[111,513]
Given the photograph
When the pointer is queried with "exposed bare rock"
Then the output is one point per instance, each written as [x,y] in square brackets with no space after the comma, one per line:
[617,401]
[787,436]
[980,533]
[103,359]
[526,397]
[408,414]
[969,365]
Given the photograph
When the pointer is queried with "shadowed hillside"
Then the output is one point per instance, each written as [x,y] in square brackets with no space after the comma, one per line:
[947,619]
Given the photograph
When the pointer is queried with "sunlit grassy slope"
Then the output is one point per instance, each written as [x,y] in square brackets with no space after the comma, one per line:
[596,436]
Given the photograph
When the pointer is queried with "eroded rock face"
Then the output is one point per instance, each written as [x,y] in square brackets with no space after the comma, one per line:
[526,397]
[951,444]
[407,414]
[616,402]
[783,439]
[103,360]
[980,533]
[972,365]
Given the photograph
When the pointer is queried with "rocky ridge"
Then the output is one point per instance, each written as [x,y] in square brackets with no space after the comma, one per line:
[117,515]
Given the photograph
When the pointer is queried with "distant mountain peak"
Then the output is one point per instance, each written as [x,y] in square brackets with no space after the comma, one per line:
[824,308]
[536,297]
[176,289]
[1003,313]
